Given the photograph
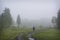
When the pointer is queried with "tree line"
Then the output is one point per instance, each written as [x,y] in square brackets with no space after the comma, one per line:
[56,20]
[6,19]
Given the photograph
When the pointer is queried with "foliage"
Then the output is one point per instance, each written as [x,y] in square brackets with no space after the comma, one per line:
[54,20]
[18,20]
[58,19]
[51,34]
[5,20]
[11,33]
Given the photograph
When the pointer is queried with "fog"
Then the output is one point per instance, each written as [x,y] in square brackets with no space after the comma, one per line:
[31,9]
[29,19]
[35,11]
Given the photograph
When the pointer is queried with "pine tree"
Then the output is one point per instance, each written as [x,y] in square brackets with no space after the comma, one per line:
[58,19]
[5,18]
[54,21]
[18,20]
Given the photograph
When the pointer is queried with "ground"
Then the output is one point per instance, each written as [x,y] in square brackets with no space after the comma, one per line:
[50,34]
[12,32]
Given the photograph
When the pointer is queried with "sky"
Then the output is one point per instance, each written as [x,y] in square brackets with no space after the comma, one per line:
[31,9]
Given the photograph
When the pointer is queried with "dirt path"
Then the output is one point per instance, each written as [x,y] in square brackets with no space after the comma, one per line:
[30,37]
[19,37]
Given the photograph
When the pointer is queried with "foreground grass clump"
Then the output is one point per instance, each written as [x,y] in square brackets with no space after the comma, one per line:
[11,33]
[51,34]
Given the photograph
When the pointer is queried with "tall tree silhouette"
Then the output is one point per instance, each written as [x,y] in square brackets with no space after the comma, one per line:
[54,21]
[58,19]
[5,19]
[18,20]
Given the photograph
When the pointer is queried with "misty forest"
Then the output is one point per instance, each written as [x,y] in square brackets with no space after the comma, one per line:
[29,20]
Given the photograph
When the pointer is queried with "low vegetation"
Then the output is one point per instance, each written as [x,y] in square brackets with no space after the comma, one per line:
[50,34]
[11,32]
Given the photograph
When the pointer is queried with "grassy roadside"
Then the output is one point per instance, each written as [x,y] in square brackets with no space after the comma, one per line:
[51,34]
[12,32]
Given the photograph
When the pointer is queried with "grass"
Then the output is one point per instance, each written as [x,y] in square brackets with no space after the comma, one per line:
[51,34]
[12,32]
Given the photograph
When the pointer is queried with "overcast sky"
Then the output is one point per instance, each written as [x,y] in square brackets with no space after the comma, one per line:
[31,9]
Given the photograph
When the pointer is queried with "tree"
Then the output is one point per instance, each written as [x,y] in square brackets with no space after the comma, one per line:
[58,19]
[1,26]
[18,20]
[5,19]
[54,21]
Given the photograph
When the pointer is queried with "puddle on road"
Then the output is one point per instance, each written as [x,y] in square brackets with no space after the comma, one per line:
[31,38]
